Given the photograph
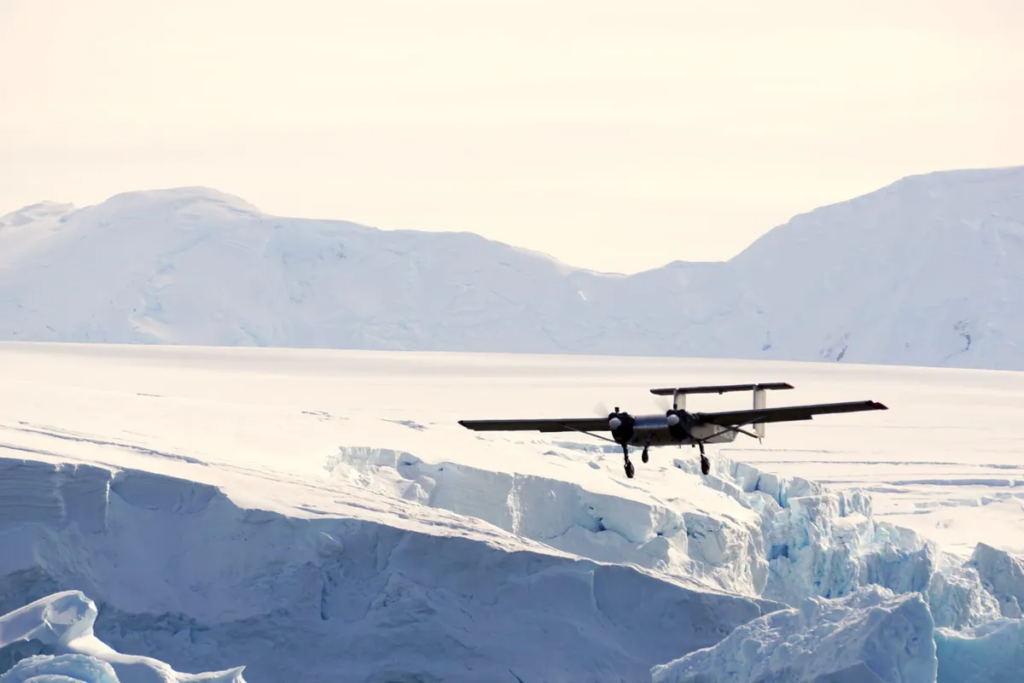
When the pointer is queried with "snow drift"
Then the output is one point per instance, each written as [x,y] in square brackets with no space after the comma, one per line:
[58,632]
[865,281]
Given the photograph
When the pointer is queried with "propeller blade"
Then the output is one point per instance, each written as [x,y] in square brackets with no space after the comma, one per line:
[601,409]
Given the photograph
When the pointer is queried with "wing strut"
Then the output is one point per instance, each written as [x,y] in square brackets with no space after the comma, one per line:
[596,436]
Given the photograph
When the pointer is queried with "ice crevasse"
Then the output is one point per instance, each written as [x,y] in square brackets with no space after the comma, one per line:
[869,601]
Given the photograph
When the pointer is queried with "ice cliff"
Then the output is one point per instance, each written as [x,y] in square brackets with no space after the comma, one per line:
[868,636]
[441,571]
[820,551]
[784,539]
[181,573]
[895,609]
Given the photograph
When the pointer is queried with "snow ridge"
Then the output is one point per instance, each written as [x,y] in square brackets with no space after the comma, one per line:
[35,212]
[862,281]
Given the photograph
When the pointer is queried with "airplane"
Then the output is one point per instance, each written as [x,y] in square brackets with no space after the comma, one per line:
[678,426]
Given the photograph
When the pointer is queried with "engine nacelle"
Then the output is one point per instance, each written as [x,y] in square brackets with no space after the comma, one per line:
[621,425]
[680,424]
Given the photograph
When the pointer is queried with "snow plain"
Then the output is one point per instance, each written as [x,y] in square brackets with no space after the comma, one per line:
[321,515]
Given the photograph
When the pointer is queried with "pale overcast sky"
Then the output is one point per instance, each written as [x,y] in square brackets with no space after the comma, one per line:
[613,135]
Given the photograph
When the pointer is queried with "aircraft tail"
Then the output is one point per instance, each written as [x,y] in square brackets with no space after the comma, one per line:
[679,394]
[760,401]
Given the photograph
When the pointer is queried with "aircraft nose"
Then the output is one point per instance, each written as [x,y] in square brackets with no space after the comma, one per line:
[672,420]
[615,423]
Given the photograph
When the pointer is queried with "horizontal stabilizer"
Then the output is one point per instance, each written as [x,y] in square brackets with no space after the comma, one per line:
[720,389]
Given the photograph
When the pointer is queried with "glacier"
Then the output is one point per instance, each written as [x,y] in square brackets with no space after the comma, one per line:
[425,596]
[221,507]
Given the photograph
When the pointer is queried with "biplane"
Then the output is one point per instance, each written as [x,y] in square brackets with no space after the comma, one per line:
[678,426]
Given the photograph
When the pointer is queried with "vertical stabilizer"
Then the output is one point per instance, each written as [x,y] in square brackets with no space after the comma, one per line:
[760,396]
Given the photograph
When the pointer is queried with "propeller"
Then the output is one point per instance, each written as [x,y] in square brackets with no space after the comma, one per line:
[663,403]
[621,423]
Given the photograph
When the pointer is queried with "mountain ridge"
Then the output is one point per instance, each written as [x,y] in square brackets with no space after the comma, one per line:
[1016,173]
[887,277]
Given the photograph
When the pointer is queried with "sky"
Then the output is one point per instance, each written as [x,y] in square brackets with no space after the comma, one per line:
[616,136]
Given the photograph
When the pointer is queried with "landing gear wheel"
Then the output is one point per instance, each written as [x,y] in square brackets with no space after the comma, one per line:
[705,464]
[629,469]
[643,456]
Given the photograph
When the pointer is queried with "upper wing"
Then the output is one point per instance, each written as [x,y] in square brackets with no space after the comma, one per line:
[733,418]
[720,388]
[585,424]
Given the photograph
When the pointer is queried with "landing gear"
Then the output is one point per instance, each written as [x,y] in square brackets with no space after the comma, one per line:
[621,425]
[705,464]
[643,456]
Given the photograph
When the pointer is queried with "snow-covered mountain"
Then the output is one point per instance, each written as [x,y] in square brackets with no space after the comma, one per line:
[927,271]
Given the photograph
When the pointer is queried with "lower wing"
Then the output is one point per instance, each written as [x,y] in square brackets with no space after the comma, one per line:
[586,424]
